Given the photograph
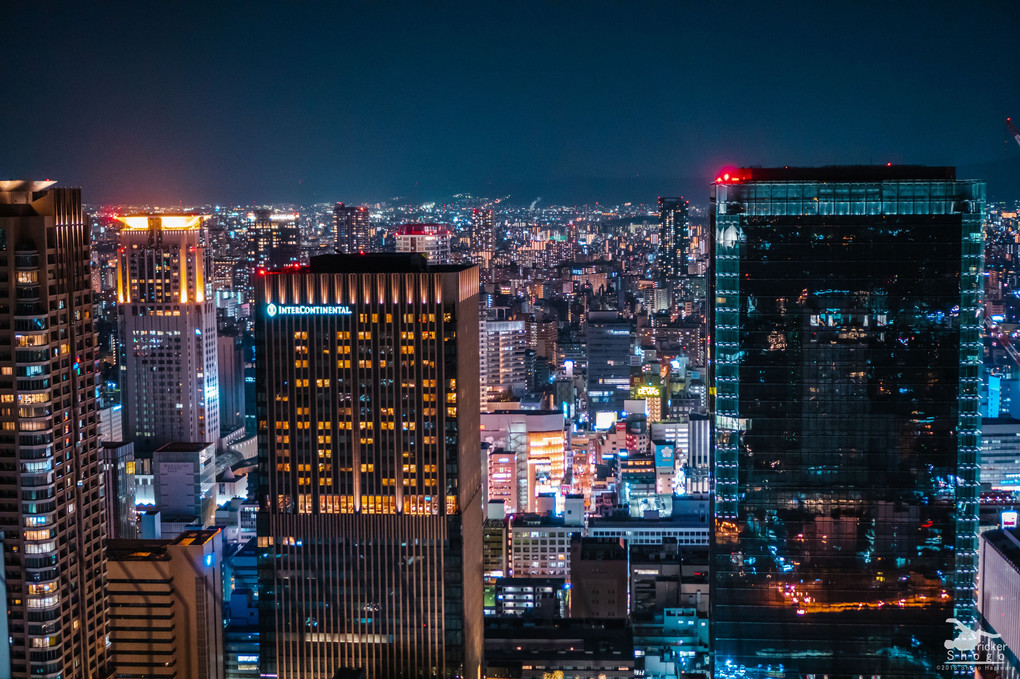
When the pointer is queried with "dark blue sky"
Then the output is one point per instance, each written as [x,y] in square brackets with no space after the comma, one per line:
[574,101]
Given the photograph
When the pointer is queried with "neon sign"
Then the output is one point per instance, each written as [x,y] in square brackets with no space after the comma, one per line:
[308,310]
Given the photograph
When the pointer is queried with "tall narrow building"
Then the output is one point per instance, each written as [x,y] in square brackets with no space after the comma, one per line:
[51,512]
[608,355]
[844,368]
[351,229]
[674,238]
[370,525]
[168,329]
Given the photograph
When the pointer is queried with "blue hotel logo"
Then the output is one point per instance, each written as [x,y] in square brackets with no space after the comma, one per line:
[308,310]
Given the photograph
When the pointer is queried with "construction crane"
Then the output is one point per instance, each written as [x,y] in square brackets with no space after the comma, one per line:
[1012,130]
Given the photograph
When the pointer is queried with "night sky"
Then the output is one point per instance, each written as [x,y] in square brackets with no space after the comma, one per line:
[572,101]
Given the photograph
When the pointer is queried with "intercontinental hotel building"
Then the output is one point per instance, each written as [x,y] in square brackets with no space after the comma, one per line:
[371,514]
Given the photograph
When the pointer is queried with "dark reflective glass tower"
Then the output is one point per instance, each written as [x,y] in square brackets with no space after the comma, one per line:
[845,356]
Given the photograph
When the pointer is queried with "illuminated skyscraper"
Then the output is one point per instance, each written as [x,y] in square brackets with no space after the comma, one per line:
[674,238]
[168,328]
[51,510]
[352,229]
[844,369]
[370,526]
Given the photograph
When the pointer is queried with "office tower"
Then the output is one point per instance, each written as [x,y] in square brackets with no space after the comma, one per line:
[184,476]
[1000,454]
[166,606]
[230,364]
[369,462]
[674,236]
[168,328]
[52,512]
[608,357]
[352,229]
[844,368]
[502,342]
[117,462]
[274,239]
[431,240]
[999,600]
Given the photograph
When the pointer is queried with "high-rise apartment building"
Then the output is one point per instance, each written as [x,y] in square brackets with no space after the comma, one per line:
[352,229]
[168,329]
[674,238]
[51,512]
[483,239]
[274,239]
[844,369]
[483,232]
[431,240]
[502,343]
[370,526]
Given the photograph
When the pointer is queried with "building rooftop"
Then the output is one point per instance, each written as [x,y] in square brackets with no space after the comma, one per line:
[836,173]
[144,222]
[184,447]
[1006,542]
[196,537]
[26,184]
[377,263]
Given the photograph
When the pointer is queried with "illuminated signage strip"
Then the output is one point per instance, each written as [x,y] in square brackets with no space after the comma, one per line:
[308,310]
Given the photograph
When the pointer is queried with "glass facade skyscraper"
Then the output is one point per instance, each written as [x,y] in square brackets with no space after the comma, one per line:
[845,355]
[370,520]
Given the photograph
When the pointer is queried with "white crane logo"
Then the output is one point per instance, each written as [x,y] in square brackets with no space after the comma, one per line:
[967,639]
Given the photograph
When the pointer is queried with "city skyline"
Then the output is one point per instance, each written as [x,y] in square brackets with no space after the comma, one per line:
[566,102]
